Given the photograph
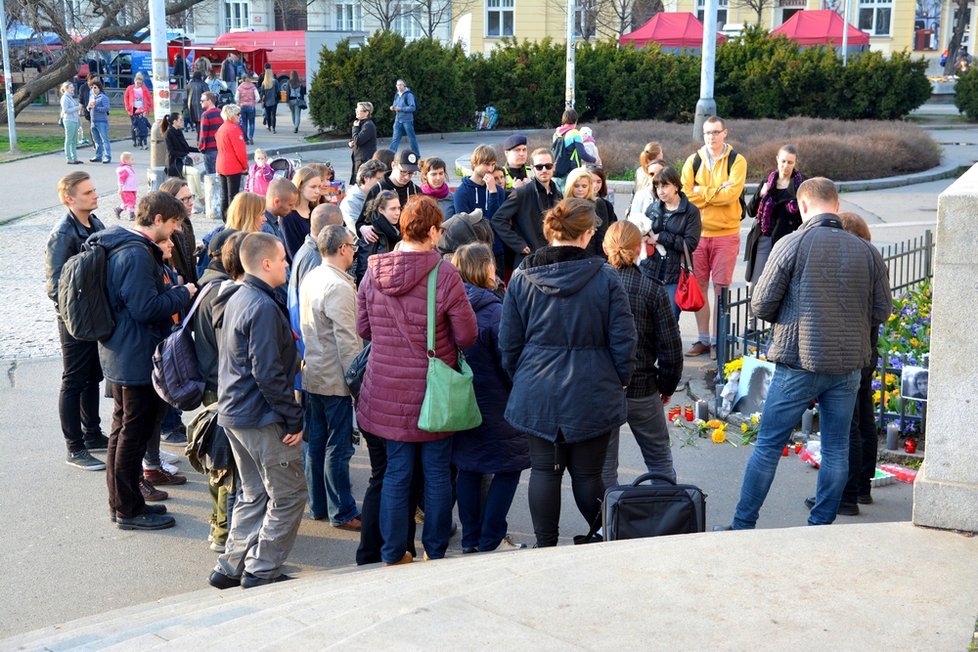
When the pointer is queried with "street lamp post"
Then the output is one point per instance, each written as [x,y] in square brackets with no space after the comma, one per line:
[161,90]
[706,105]
[569,69]
[8,86]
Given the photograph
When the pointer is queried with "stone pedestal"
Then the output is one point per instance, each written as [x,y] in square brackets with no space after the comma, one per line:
[946,489]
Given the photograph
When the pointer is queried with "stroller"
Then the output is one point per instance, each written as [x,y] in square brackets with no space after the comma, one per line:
[285,167]
[140,131]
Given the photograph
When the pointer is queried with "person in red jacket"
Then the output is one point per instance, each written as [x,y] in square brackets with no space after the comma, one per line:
[138,100]
[392,314]
[232,156]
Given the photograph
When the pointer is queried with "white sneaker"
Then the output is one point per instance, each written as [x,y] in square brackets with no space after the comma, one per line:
[169,457]
[169,468]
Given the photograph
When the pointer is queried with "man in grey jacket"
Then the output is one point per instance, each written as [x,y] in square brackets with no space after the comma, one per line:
[823,289]
[257,408]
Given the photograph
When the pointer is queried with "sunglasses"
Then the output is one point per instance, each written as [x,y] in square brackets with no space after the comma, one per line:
[543,166]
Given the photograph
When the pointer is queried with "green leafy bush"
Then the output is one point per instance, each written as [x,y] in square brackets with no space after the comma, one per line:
[966,93]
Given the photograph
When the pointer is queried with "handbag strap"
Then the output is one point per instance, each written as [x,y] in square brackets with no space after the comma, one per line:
[687,259]
[432,291]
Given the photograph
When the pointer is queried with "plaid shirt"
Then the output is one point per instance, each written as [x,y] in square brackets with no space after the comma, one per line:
[659,356]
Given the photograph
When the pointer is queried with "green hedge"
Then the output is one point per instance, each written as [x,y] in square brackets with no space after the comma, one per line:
[966,93]
[757,76]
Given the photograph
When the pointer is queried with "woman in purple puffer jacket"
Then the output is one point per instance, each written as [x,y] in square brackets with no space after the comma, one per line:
[392,314]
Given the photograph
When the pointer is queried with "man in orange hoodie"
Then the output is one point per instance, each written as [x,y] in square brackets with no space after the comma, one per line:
[713,179]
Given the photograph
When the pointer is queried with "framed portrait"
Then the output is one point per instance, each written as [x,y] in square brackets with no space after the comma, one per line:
[913,383]
[755,379]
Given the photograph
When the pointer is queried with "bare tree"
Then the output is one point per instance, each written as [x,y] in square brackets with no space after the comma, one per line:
[107,19]
[385,12]
[757,6]
[597,18]
[960,22]
[433,14]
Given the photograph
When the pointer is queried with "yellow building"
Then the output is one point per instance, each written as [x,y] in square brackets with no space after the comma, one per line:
[921,26]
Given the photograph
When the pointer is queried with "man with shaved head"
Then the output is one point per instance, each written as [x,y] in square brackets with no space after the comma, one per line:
[280,199]
[257,408]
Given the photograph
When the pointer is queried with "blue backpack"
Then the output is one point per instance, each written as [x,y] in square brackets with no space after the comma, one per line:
[176,374]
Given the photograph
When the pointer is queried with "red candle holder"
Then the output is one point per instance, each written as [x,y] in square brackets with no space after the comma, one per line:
[798,447]
[786,451]
[689,412]
[910,445]
[674,412]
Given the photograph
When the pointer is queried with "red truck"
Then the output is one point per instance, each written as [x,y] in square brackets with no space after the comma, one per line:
[286,50]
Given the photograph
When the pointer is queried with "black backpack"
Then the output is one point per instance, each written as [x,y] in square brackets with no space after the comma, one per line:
[83,296]
[698,161]
[176,374]
[563,162]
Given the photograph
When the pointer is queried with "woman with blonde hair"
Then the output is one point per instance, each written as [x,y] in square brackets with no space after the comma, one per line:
[295,226]
[566,317]
[269,91]
[363,144]
[580,185]
[232,155]
[643,176]
[246,213]
[658,357]
[70,110]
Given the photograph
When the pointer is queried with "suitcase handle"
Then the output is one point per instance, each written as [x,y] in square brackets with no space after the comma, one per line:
[653,476]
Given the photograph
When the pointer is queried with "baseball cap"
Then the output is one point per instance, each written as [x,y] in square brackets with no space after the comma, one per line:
[514,141]
[408,160]
[463,228]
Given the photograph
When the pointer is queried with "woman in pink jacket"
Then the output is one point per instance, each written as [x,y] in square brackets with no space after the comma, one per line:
[138,101]
[392,314]
[232,155]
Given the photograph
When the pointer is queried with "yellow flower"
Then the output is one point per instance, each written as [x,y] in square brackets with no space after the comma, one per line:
[755,418]
[718,436]
[876,396]
[892,317]
[913,341]
[743,427]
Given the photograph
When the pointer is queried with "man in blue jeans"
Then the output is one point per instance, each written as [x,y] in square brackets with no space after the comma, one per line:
[328,318]
[823,289]
[404,107]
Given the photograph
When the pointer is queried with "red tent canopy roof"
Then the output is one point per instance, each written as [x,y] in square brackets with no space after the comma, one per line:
[670,30]
[820,27]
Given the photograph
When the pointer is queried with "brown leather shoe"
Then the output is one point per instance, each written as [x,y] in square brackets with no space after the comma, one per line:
[151,493]
[353,525]
[406,559]
[697,349]
[159,476]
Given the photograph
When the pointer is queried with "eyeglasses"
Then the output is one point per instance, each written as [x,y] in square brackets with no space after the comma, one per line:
[352,245]
[716,132]
[188,199]
[543,166]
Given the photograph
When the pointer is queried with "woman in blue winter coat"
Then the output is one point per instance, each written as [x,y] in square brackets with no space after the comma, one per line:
[567,339]
[495,447]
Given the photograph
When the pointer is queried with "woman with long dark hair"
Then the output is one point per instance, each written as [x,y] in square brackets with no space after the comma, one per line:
[177,146]
[296,95]
[775,211]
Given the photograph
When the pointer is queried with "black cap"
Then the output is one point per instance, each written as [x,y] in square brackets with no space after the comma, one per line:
[464,228]
[514,141]
[408,160]
[217,242]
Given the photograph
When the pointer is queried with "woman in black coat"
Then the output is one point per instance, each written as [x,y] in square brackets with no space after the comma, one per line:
[775,211]
[567,339]
[675,221]
[495,447]
[177,146]
[269,90]
[195,91]
[364,142]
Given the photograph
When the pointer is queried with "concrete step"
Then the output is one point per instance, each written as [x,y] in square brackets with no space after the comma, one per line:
[824,588]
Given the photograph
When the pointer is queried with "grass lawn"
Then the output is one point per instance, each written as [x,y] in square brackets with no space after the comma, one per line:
[38,131]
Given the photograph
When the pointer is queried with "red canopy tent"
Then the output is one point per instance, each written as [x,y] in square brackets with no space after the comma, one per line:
[820,27]
[670,30]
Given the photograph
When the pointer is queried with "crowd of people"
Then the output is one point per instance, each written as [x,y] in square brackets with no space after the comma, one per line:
[313,322]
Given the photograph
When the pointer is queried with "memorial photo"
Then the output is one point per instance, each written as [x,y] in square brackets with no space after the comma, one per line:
[755,379]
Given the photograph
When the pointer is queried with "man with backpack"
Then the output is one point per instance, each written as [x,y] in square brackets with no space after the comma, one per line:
[79,396]
[568,148]
[713,179]
[142,308]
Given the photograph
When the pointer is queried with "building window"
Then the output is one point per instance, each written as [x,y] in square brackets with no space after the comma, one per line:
[874,16]
[236,16]
[585,17]
[408,20]
[500,17]
[348,17]
[721,12]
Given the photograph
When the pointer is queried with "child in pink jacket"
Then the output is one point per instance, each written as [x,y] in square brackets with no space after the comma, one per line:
[127,186]
[260,174]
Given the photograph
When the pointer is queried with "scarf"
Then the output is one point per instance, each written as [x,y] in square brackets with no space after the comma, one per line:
[765,211]
[436,193]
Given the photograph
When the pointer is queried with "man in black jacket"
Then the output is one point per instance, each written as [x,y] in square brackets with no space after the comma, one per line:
[519,221]
[78,398]
[143,306]
[263,421]
[400,181]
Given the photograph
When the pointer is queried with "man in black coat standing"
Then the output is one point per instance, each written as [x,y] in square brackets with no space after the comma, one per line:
[519,221]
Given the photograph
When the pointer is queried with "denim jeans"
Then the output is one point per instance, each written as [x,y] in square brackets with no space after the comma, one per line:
[436,457]
[790,394]
[71,141]
[248,122]
[648,424]
[402,129]
[328,450]
[484,524]
[368,552]
[210,161]
[100,134]
[671,291]
[296,114]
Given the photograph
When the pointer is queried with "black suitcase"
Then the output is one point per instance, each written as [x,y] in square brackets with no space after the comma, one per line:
[651,510]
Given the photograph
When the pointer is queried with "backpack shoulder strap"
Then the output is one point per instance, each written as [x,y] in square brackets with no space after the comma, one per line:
[730,160]
[697,162]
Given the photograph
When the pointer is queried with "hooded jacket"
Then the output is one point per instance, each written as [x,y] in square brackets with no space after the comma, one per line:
[495,446]
[142,303]
[392,314]
[258,361]
[567,339]
[469,196]
[720,209]
[823,289]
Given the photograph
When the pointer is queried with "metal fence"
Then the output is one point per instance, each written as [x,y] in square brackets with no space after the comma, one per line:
[910,263]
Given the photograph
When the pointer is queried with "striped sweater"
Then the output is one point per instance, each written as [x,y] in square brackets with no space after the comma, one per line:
[210,122]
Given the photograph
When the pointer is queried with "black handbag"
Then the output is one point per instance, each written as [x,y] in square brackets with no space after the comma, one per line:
[354,375]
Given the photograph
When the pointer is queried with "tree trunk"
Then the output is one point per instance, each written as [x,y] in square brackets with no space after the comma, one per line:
[63,69]
[960,12]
